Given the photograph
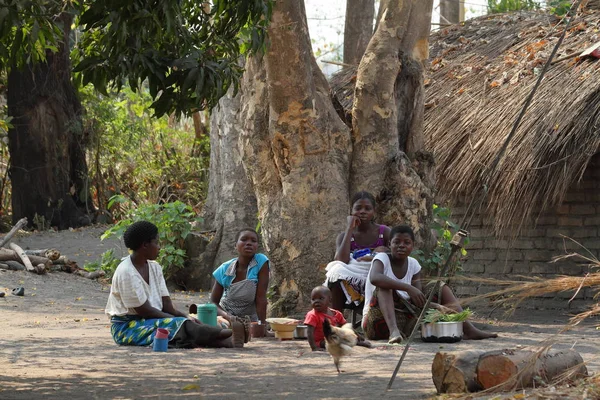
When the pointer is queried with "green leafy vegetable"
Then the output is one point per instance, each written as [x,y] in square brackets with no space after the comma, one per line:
[432,315]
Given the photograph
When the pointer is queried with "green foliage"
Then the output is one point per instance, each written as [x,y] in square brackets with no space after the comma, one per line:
[174,225]
[108,264]
[187,51]
[559,7]
[141,158]
[445,229]
[432,315]
[502,6]
[28,29]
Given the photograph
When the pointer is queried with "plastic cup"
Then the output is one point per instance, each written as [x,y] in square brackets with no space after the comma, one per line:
[161,340]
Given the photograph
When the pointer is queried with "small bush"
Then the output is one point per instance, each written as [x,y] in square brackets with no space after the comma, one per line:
[445,229]
[174,222]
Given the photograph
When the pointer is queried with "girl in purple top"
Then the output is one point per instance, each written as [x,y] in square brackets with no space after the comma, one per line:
[361,233]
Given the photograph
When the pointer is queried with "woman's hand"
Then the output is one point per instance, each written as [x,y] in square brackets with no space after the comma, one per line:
[417,297]
[353,221]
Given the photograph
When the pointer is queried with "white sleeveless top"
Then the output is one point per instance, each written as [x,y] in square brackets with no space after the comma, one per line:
[413,268]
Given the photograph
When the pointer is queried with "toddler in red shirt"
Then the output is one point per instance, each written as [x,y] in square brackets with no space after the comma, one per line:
[321,299]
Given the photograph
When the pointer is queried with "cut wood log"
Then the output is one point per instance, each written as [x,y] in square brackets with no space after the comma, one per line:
[456,372]
[11,255]
[51,254]
[90,275]
[23,256]
[61,260]
[12,266]
[517,369]
[20,224]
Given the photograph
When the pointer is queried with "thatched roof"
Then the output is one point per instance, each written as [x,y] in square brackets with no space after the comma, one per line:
[477,81]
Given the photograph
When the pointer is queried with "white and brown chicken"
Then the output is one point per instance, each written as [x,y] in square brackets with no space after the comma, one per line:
[339,341]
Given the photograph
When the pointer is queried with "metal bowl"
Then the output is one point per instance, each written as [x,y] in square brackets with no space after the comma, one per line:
[301,332]
[442,332]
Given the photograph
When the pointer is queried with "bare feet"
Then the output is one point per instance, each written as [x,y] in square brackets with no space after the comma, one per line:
[470,332]
[239,336]
[396,337]
[364,343]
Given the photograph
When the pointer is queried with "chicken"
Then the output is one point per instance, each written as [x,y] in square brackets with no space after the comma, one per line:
[339,341]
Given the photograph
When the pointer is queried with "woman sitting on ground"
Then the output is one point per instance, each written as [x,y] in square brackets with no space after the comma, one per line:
[139,302]
[240,289]
[347,275]
[394,294]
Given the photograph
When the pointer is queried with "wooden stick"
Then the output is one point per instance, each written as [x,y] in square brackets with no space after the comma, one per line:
[23,256]
[20,223]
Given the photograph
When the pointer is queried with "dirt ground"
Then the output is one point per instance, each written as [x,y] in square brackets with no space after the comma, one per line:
[56,344]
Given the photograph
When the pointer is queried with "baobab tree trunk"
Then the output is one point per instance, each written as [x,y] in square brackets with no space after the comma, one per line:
[296,152]
[358,29]
[231,203]
[48,168]
[387,116]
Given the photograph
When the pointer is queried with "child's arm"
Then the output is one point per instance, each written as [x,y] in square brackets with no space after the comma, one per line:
[311,339]
[379,279]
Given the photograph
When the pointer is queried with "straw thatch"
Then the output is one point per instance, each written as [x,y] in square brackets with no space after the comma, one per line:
[477,81]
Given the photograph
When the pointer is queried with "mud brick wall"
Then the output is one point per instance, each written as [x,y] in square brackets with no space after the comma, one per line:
[578,217]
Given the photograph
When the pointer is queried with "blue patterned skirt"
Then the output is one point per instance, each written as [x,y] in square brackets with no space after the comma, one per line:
[132,330]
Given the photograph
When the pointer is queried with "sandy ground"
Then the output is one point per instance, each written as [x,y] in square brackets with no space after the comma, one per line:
[56,344]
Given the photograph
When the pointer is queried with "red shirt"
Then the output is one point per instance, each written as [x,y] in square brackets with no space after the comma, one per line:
[315,319]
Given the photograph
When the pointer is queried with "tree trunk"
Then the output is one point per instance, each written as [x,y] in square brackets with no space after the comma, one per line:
[296,152]
[358,29]
[231,203]
[387,117]
[509,369]
[48,168]
[450,11]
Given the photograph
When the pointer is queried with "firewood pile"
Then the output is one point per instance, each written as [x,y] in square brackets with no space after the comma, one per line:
[37,261]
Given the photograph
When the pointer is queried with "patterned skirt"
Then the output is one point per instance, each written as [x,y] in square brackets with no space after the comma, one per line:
[406,312]
[133,330]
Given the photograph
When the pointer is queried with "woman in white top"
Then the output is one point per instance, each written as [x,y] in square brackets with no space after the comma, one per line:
[394,294]
[139,302]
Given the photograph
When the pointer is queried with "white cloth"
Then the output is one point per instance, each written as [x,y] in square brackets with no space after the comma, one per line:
[354,272]
[413,268]
[130,290]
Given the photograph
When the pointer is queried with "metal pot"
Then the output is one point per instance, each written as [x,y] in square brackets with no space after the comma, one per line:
[301,332]
[442,332]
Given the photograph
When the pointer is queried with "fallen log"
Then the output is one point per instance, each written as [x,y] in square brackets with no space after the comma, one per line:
[517,369]
[11,255]
[51,254]
[23,257]
[456,372]
[90,275]
[61,260]
[12,266]
[20,223]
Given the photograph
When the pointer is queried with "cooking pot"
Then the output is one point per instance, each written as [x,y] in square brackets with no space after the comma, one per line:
[442,332]
[301,332]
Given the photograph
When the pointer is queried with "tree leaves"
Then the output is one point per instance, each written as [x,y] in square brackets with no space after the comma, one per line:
[189,53]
